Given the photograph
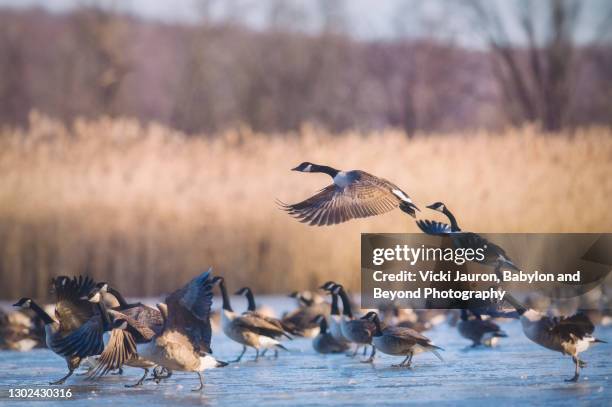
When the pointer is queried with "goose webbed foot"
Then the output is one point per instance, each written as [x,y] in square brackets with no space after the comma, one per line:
[160,373]
[573,379]
[406,362]
[63,379]
[201,386]
[141,381]
[577,362]
[372,354]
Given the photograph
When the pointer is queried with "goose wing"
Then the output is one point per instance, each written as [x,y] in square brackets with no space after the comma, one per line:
[70,309]
[189,311]
[493,253]
[146,316]
[365,195]
[431,227]
[259,326]
[578,325]
[140,331]
[408,335]
[85,341]
[120,348]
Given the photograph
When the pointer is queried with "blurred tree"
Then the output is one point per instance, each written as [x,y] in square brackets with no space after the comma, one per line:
[14,95]
[537,80]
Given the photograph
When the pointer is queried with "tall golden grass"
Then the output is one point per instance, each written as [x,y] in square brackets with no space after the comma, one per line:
[146,207]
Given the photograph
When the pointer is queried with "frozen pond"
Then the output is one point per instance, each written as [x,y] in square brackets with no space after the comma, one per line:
[518,371]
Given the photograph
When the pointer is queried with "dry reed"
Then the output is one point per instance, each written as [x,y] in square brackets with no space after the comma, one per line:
[146,207]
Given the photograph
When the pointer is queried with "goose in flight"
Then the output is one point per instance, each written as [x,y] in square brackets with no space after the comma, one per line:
[495,256]
[353,194]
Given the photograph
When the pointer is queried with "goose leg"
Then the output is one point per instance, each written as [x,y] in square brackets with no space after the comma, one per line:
[403,364]
[577,371]
[199,388]
[142,379]
[371,358]
[63,379]
[275,353]
[354,353]
[118,372]
[365,350]
[256,355]
[241,355]
[264,352]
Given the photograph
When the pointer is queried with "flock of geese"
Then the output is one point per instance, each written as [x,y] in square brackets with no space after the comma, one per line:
[94,325]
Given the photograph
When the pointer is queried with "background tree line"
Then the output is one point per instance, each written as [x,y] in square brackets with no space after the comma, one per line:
[208,76]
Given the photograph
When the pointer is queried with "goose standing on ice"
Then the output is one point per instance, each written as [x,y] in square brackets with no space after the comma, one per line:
[399,341]
[479,331]
[568,335]
[184,342]
[358,331]
[335,319]
[248,330]
[353,194]
[324,342]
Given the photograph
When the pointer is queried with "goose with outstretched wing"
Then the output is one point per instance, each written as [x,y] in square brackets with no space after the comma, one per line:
[353,194]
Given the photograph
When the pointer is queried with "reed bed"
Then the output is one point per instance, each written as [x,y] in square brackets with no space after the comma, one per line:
[147,207]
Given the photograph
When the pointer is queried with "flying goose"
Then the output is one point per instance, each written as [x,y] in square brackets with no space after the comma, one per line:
[398,341]
[358,331]
[495,256]
[184,342]
[324,342]
[479,331]
[568,335]
[247,330]
[77,332]
[353,194]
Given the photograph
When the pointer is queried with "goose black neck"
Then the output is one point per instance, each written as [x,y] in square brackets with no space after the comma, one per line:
[334,305]
[346,304]
[452,219]
[464,315]
[41,313]
[306,301]
[226,301]
[323,325]
[122,302]
[376,321]
[106,323]
[332,172]
[251,300]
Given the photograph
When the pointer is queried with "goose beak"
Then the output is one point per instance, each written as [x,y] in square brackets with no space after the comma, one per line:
[221,363]
[431,207]
[296,168]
